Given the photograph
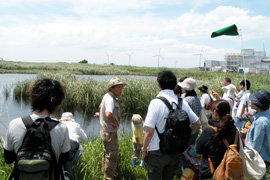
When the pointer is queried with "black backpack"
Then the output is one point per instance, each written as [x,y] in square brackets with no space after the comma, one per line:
[177,132]
[35,158]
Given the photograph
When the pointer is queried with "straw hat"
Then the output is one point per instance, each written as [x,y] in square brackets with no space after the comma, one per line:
[115,81]
[67,116]
[137,121]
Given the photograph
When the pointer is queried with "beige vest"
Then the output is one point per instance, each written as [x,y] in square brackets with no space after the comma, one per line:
[104,122]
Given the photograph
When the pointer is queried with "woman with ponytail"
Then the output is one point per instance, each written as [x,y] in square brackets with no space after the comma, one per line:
[210,144]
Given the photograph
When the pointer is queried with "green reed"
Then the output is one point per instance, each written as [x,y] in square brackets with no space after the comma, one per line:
[89,165]
[86,94]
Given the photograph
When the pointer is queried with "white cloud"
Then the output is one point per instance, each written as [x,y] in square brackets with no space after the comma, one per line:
[65,38]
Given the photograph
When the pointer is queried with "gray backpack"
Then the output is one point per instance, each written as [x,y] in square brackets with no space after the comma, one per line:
[35,158]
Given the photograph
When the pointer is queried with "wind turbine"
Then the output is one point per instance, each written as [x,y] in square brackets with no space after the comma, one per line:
[108,58]
[159,56]
[200,56]
[129,57]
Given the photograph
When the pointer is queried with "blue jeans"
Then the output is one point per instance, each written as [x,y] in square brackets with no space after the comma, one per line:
[69,166]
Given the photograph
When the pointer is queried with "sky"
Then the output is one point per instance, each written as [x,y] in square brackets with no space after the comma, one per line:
[152,33]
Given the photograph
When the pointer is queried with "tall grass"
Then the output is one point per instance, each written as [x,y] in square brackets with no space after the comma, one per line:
[5,169]
[89,165]
[86,94]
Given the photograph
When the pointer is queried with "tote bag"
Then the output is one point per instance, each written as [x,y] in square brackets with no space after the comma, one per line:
[253,165]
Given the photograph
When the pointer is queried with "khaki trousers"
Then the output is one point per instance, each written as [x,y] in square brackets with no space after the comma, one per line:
[110,153]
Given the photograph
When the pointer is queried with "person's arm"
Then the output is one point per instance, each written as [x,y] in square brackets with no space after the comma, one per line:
[97,113]
[138,144]
[195,126]
[64,157]
[242,112]
[204,140]
[215,93]
[83,136]
[9,156]
[110,117]
[147,138]
[259,134]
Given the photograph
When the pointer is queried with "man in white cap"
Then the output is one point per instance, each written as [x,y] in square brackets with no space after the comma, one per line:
[109,115]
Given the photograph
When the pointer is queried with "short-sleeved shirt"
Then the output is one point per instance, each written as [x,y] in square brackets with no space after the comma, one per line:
[243,101]
[109,105]
[17,130]
[137,133]
[158,111]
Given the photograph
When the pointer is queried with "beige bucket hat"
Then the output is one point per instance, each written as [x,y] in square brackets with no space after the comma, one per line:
[137,121]
[115,81]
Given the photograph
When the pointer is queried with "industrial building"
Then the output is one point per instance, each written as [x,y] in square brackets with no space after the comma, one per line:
[250,61]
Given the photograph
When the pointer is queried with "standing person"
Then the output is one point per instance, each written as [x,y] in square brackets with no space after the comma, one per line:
[188,87]
[178,90]
[46,95]
[243,105]
[76,134]
[137,138]
[237,100]
[228,95]
[210,144]
[205,99]
[160,165]
[109,117]
[228,88]
[258,135]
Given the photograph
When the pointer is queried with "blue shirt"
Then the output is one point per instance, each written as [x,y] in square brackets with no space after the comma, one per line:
[258,135]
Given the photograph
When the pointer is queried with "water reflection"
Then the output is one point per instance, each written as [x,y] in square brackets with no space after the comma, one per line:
[10,108]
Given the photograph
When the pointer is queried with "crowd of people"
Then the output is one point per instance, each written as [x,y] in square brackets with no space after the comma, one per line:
[216,117]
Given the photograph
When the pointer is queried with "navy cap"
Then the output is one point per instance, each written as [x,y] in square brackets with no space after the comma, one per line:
[261,99]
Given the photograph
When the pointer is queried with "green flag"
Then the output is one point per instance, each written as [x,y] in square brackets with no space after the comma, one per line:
[230,31]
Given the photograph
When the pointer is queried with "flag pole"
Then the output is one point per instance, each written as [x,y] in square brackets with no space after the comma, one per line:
[243,59]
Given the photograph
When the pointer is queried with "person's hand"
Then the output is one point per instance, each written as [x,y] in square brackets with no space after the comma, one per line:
[244,131]
[145,157]
[240,118]
[96,114]
[213,92]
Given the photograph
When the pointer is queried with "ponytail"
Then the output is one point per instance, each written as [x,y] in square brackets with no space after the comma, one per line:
[222,107]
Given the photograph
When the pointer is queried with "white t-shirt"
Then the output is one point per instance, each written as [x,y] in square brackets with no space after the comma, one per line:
[109,105]
[244,101]
[205,99]
[75,131]
[17,130]
[158,111]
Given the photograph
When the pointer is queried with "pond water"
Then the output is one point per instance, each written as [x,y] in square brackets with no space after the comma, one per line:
[10,108]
